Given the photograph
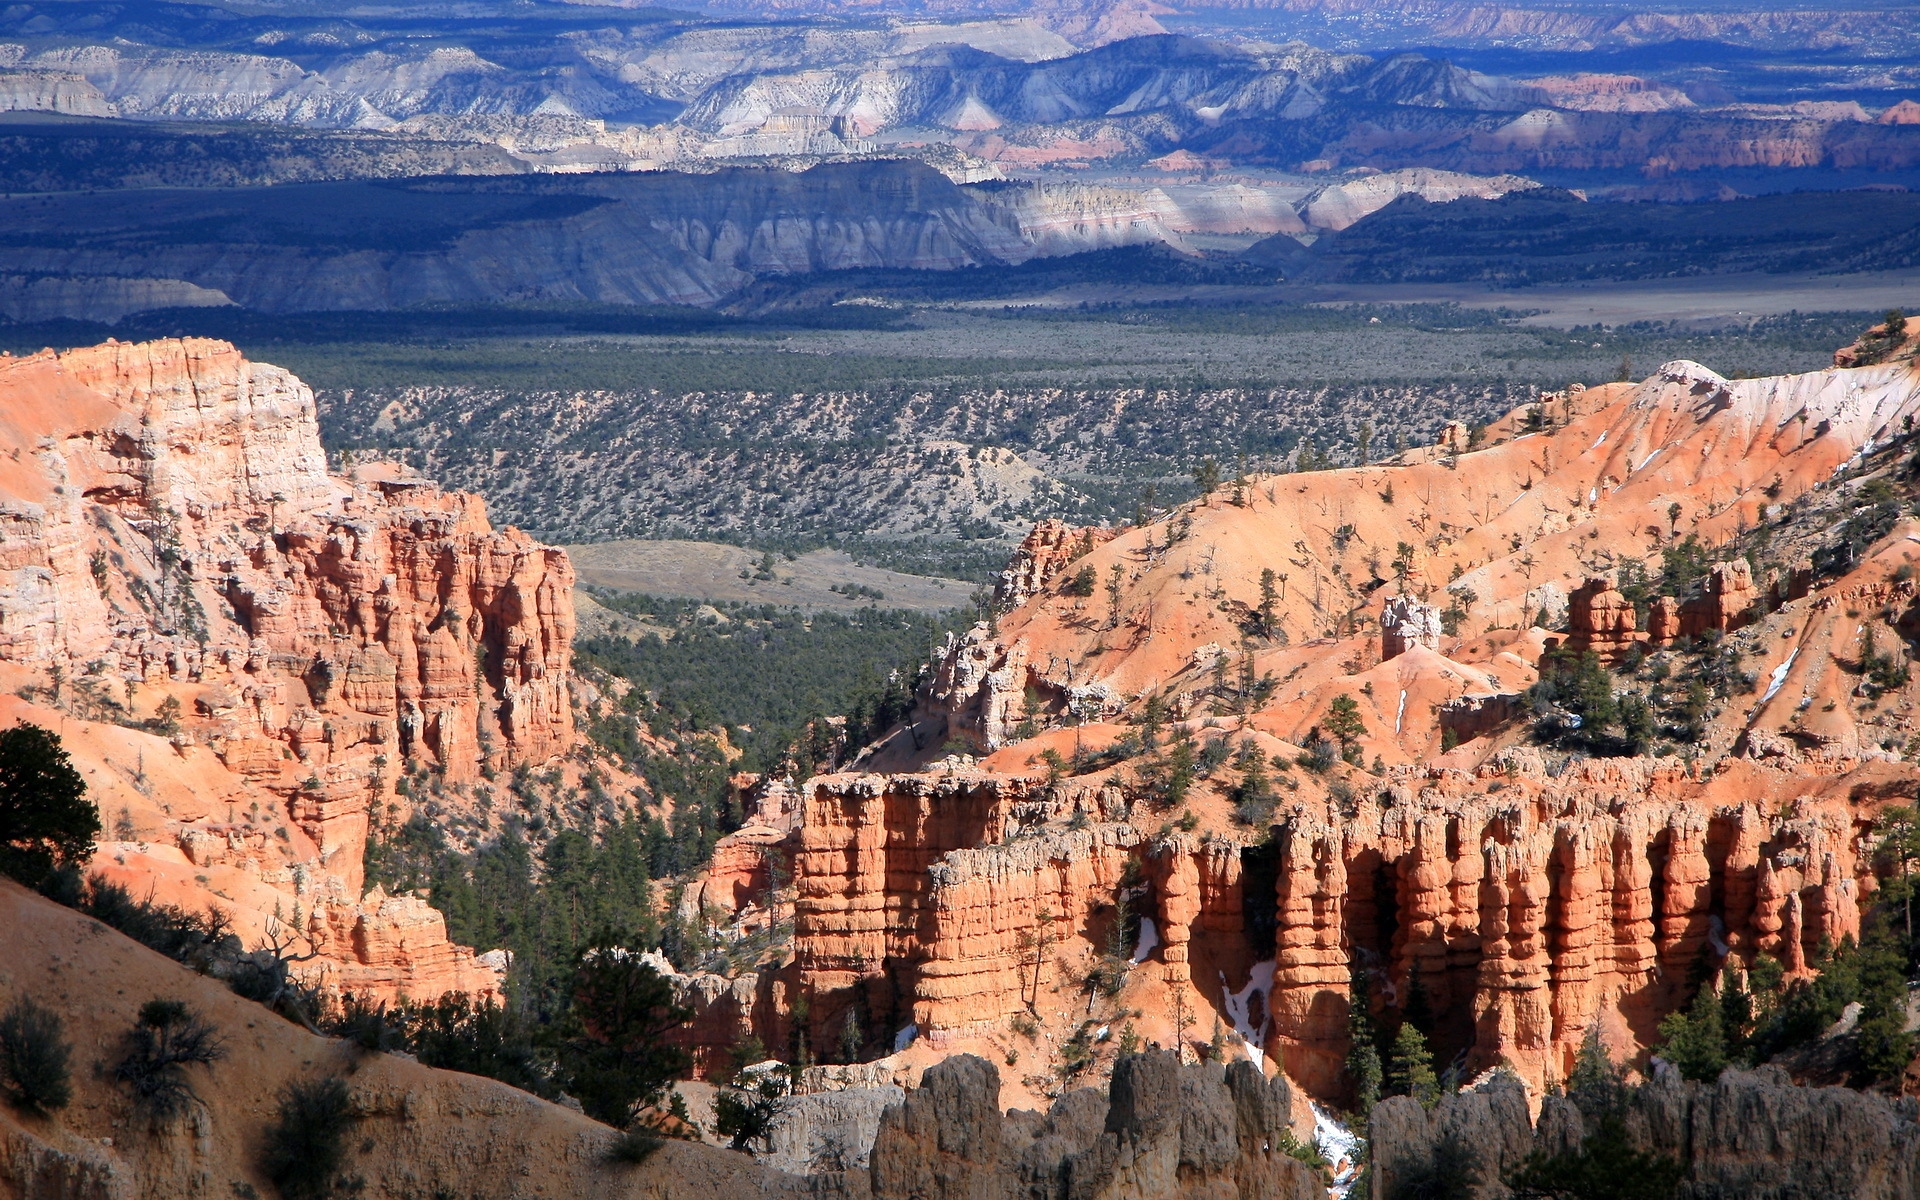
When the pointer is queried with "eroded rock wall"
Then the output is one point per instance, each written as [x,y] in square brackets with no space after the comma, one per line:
[182,574]
[1751,1134]
[1531,909]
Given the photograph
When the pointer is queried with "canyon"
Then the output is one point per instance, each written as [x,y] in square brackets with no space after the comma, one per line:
[1201,786]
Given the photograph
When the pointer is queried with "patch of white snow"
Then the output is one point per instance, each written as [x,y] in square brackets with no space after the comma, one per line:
[1779,676]
[1149,939]
[1239,1006]
[1339,1146]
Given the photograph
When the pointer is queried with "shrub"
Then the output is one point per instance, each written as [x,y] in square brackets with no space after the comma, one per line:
[1695,1040]
[166,1040]
[33,1057]
[743,1117]
[1606,1166]
[455,1034]
[369,1026]
[635,1146]
[307,1145]
[46,819]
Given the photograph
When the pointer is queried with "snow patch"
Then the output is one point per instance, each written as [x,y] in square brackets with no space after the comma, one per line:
[1339,1146]
[1239,1007]
[1149,940]
[1649,458]
[1597,442]
[1779,676]
[1400,714]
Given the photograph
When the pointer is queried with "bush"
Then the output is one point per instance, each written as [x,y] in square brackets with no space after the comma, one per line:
[455,1034]
[307,1145]
[743,1117]
[1605,1167]
[33,1058]
[46,819]
[634,1146]
[369,1026]
[197,940]
[166,1040]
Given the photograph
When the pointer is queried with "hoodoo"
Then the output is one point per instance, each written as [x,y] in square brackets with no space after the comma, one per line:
[1214,810]
[245,651]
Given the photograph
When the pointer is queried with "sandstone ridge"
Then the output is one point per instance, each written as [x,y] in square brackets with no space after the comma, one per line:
[245,651]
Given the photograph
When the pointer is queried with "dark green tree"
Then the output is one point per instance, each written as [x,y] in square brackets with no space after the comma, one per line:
[1694,1041]
[1884,1048]
[616,1055]
[1343,722]
[1364,1072]
[46,819]
[1607,1166]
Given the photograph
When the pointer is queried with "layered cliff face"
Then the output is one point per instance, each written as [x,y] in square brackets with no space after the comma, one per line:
[248,650]
[1366,639]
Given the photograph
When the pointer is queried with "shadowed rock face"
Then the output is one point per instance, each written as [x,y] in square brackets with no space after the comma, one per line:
[1170,1131]
[1753,1135]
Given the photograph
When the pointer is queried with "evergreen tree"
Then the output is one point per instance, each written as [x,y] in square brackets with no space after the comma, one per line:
[616,1055]
[1411,1067]
[1595,1086]
[1884,1048]
[1694,1041]
[1364,1072]
[46,819]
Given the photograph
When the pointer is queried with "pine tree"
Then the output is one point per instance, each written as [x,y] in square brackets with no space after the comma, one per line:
[1411,1068]
[1363,1055]
[1695,1041]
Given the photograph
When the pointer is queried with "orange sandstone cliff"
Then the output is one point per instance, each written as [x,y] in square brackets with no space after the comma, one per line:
[1069,886]
[244,651]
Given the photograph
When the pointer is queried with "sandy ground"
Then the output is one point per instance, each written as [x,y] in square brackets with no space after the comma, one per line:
[711,571]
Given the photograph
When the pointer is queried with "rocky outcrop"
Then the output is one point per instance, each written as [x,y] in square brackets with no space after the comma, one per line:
[1047,550]
[1885,342]
[1406,623]
[1340,205]
[1169,1131]
[1726,601]
[825,1132]
[1750,1134]
[915,902]
[1600,620]
[175,543]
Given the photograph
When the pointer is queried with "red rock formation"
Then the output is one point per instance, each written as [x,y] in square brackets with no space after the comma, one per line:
[1601,620]
[1406,623]
[173,536]
[1727,601]
[1042,555]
